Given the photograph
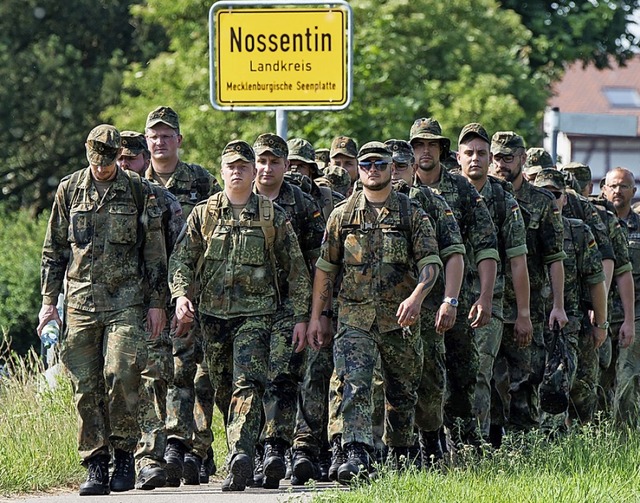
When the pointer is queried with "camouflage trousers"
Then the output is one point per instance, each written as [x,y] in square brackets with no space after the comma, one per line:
[378,411]
[105,354]
[626,389]
[432,388]
[313,407]
[286,372]
[241,344]
[187,353]
[518,373]
[152,409]
[584,395]
[355,354]
[489,340]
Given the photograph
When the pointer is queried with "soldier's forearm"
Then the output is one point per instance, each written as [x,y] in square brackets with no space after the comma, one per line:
[322,292]
[557,283]
[520,279]
[453,275]
[426,280]
[626,290]
[599,302]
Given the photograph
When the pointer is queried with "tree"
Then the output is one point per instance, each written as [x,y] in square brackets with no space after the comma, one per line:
[60,65]
[564,31]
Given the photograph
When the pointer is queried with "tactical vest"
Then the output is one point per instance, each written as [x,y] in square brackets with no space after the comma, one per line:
[135,184]
[405,217]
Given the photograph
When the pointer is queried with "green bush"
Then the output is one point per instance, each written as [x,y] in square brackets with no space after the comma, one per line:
[21,237]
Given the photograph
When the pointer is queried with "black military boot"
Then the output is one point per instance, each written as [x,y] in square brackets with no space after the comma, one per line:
[431,448]
[288,461]
[304,467]
[258,467]
[191,469]
[151,476]
[97,482]
[338,457]
[357,465]
[208,467]
[398,458]
[123,477]
[496,432]
[174,457]
[275,467]
[240,470]
[324,463]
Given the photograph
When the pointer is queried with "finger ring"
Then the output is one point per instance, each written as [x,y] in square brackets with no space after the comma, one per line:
[413,317]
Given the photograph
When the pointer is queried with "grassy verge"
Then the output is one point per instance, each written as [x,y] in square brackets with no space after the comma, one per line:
[38,429]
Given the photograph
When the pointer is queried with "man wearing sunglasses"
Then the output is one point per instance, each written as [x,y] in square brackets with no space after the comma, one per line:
[376,240]
[545,236]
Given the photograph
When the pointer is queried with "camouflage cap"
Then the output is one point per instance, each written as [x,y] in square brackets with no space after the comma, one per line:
[164,115]
[374,149]
[550,177]
[269,142]
[238,150]
[322,157]
[537,156]
[133,143]
[506,142]
[103,145]
[345,146]
[301,150]
[401,151]
[473,129]
[580,172]
[429,129]
[336,178]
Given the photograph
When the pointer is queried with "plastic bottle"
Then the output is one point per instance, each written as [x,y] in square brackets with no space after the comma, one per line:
[50,334]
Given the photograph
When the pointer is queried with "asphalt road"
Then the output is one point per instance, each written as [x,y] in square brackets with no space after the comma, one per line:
[206,493]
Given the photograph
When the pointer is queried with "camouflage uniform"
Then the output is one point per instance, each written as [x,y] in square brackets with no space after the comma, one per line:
[511,231]
[478,234]
[378,264]
[626,361]
[190,184]
[545,236]
[100,245]
[239,298]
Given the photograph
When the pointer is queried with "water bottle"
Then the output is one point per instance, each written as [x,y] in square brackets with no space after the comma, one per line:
[50,334]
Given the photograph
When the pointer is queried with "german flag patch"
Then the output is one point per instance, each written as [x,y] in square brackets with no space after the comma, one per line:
[316,214]
[592,243]
[448,212]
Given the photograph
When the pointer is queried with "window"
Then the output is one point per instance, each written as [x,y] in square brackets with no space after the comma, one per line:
[622,97]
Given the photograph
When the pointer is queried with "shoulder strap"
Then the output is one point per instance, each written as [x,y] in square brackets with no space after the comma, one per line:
[405,212]
[576,207]
[349,213]
[327,202]
[72,187]
[135,183]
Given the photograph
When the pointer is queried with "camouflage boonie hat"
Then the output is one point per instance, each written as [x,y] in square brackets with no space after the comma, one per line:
[301,150]
[550,177]
[103,145]
[164,115]
[336,178]
[374,149]
[474,129]
[322,157]
[580,172]
[345,146]
[238,150]
[401,151]
[269,142]
[537,156]
[506,142]
[429,129]
[133,143]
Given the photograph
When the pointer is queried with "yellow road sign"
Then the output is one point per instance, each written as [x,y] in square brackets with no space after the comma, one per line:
[290,58]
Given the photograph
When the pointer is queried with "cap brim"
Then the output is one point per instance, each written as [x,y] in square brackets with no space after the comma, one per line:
[342,152]
[131,153]
[155,122]
[101,160]
[294,157]
[503,150]
[377,155]
[229,158]
[266,148]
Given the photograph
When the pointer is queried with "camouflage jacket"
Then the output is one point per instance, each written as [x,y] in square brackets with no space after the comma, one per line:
[378,258]
[582,268]
[512,240]
[632,229]
[474,220]
[190,183]
[616,233]
[581,208]
[545,237]
[106,249]
[237,277]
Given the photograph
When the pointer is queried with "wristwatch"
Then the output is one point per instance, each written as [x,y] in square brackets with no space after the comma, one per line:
[603,326]
[451,300]
[328,313]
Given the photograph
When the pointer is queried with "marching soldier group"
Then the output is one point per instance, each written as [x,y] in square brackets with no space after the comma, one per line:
[339,307]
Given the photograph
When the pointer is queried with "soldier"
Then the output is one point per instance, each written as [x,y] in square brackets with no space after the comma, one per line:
[583,269]
[286,367]
[545,236]
[322,158]
[344,153]
[376,239]
[537,160]
[474,156]
[238,242]
[437,317]
[152,410]
[619,189]
[478,234]
[336,178]
[310,444]
[190,183]
[104,229]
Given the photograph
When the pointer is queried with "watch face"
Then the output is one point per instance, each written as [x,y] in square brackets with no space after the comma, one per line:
[452,301]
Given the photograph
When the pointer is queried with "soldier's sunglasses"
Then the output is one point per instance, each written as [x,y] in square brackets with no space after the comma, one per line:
[379,165]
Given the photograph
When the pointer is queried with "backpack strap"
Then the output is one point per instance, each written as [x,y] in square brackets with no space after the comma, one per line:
[327,202]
